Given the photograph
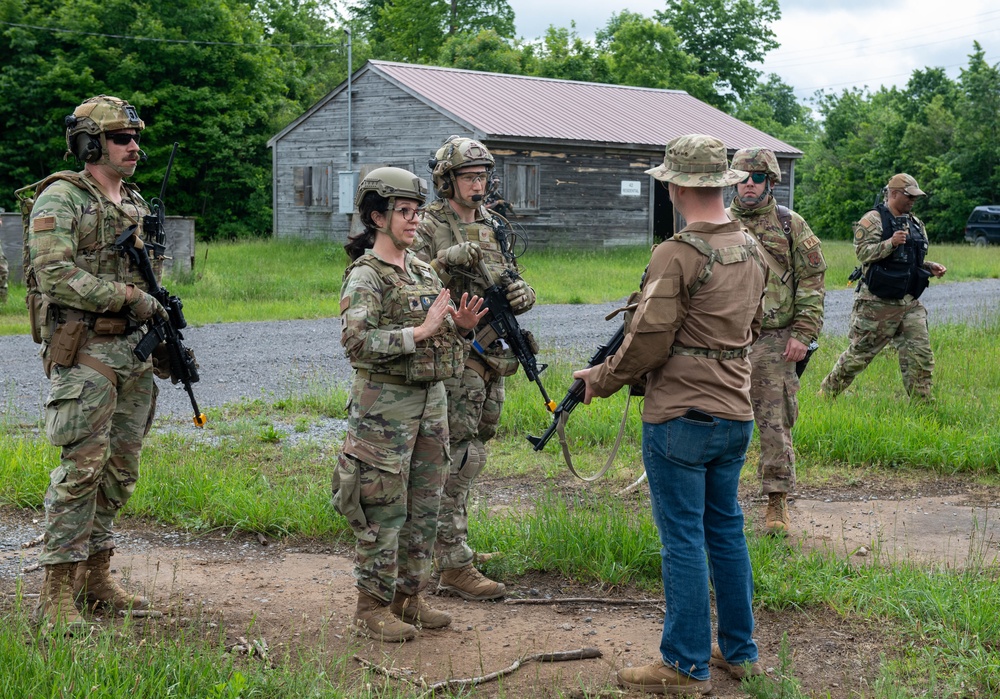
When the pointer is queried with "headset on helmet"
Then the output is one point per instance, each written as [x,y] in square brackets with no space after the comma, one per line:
[757,160]
[86,126]
[456,152]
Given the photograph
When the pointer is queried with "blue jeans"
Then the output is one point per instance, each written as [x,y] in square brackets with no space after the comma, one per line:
[693,470]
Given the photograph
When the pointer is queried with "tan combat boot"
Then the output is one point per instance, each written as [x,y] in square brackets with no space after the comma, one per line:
[414,609]
[470,584]
[94,582]
[374,619]
[55,603]
[737,672]
[657,678]
[777,520]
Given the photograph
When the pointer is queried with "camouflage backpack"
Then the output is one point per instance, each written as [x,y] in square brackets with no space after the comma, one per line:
[36,302]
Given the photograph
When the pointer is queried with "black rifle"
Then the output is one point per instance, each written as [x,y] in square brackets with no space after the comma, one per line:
[501,316]
[504,323]
[183,367]
[575,395]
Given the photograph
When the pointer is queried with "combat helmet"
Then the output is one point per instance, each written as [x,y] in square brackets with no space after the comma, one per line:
[87,125]
[392,183]
[456,152]
[758,160]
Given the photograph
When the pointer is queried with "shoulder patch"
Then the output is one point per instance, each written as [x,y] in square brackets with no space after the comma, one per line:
[810,242]
[44,223]
[345,303]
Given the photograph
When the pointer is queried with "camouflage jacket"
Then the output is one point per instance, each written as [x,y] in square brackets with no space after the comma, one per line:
[380,305]
[800,305]
[71,241]
[440,229]
[869,247]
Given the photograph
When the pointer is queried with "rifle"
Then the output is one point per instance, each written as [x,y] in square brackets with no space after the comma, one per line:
[574,396]
[183,367]
[501,316]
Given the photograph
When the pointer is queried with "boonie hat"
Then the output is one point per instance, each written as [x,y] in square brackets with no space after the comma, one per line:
[906,183]
[697,160]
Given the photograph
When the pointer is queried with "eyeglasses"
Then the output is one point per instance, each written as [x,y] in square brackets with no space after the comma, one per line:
[407,213]
[123,139]
[473,177]
[757,177]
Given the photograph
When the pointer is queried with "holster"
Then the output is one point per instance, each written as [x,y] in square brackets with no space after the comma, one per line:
[67,339]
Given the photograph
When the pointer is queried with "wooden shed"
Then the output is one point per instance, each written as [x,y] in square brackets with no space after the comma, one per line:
[571,155]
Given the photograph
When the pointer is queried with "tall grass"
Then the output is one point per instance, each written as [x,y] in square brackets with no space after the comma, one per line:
[287,279]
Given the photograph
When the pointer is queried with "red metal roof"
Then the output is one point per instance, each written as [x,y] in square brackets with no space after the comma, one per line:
[500,105]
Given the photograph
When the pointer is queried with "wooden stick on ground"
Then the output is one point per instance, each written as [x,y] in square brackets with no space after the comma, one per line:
[584,600]
[558,656]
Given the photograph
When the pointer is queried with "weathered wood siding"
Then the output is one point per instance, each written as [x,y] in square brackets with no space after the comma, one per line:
[390,128]
[178,231]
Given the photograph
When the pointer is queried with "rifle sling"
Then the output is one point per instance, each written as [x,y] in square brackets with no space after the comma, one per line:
[561,431]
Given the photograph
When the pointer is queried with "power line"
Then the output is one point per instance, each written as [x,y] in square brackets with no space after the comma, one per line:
[59,30]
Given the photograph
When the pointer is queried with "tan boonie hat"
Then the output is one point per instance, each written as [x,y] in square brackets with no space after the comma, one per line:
[697,160]
[907,184]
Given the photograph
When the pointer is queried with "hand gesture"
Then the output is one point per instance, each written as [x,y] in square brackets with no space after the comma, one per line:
[469,312]
[435,317]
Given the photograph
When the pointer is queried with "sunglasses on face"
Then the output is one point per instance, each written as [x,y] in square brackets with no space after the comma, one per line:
[757,177]
[407,213]
[473,177]
[122,139]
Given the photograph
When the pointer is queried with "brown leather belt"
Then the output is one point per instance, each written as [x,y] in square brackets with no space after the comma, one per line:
[387,378]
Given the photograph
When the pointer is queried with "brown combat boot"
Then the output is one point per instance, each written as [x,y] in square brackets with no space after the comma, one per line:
[374,619]
[55,603]
[470,584]
[95,584]
[777,520]
[413,609]
[737,672]
[657,678]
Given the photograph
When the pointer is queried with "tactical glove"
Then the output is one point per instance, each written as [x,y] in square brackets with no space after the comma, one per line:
[143,305]
[462,255]
[520,295]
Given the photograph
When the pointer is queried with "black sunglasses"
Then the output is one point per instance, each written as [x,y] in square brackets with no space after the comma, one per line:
[122,139]
[757,177]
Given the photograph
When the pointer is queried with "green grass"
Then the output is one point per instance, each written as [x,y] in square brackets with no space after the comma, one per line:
[296,279]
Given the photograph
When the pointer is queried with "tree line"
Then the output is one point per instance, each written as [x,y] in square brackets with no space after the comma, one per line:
[223,76]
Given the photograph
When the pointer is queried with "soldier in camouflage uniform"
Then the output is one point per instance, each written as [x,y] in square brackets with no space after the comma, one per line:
[4,272]
[92,312]
[400,334]
[891,245]
[457,238]
[793,317]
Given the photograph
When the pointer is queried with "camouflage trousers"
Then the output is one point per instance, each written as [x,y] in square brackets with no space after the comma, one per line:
[100,427]
[388,482]
[873,326]
[474,407]
[774,391]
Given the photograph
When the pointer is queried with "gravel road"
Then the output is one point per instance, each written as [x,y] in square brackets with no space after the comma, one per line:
[273,359]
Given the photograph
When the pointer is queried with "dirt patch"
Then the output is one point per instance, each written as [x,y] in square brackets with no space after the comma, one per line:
[301,594]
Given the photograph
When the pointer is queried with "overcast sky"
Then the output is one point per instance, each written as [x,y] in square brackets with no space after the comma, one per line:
[826,45]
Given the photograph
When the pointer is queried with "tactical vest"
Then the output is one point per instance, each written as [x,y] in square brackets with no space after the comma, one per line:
[95,252]
[481,233]
[902,272]
[405,304]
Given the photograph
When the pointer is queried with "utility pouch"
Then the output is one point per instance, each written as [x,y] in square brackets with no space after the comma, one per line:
[38,316]
[891,283]
[110,326]
[66,342]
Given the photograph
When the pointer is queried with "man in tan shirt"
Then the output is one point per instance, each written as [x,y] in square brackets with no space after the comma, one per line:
[699,313]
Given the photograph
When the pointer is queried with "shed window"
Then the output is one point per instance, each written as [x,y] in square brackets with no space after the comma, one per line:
[312,185]
[520,186]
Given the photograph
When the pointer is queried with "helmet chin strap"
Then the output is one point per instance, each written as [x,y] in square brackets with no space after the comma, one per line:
[756,201]
[106,159]
[467,203]
[387,228]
